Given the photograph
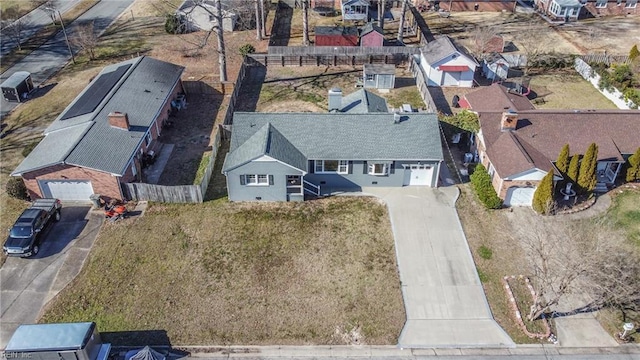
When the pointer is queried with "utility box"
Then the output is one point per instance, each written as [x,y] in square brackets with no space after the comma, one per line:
[17,87]
[69,341]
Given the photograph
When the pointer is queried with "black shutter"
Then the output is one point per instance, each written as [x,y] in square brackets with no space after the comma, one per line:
[392,169]
[270,179]
[365,168]
[312,167]
[350,167]
[243,181]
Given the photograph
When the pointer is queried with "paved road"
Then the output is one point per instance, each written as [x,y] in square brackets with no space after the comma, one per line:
[443,296]
[33,22]
[27,284]
[52,56]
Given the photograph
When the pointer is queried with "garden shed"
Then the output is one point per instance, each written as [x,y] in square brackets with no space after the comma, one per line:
[379,76]
[17,87]
[495,68]
[336,36]
[371,35]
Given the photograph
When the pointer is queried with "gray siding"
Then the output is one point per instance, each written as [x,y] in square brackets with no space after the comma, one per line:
[358,177]
[380,81]
[275,192]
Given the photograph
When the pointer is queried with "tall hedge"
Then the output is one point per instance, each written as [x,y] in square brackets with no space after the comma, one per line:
[563,159]
[587,176]
[574,167]
[633,167]
[543,197]
[481,182]
[634,52]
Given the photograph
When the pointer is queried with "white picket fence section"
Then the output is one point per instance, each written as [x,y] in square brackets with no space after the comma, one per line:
[591,76]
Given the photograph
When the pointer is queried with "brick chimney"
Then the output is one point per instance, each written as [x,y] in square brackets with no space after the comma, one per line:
[509,121]
[119,120]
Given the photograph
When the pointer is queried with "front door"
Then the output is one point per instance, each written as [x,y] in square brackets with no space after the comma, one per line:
[418,175]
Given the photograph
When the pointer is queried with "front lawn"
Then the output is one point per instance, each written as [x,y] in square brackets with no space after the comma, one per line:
[241,273]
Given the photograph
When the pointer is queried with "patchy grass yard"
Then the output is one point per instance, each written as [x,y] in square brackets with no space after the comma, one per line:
[240,273]
[568,91]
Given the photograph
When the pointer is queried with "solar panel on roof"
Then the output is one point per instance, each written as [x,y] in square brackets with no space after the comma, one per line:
[91,98]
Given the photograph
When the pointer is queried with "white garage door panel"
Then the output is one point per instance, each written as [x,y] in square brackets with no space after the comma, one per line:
[78,190]
[519,196]
[418,175]
[451,78]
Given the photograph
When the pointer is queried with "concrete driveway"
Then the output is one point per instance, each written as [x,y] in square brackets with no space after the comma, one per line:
[28,284]
[443,296]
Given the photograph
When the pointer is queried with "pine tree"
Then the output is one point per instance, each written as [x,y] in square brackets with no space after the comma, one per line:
[543,197]
[633,167]
[563,160]
[587,176]
[574,166]
[481,182]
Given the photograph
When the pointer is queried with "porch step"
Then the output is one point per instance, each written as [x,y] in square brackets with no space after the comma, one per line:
[601,188]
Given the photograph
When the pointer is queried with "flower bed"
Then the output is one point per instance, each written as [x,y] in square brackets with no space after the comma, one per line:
[516,302]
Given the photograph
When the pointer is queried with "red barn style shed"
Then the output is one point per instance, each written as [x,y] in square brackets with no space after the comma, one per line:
[336,36]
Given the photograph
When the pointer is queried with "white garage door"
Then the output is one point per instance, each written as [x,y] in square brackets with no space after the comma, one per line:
[451,78]
[418,175]
[519,196]
[78,190]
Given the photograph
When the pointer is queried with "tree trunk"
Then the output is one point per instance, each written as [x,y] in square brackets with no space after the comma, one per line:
[263,19]
[222,57]
[305,22]
[402,18]
[258,22]
[381,4]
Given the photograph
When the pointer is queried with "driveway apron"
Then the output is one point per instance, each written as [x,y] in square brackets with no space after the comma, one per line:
[443,296]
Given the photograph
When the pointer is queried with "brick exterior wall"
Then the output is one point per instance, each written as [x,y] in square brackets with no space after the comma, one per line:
[103,183]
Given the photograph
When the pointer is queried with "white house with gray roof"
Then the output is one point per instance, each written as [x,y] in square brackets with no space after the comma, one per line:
[98,141]
[285,156]
[444,64]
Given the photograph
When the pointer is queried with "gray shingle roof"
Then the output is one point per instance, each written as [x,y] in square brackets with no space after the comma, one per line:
[362,102]
[340,136]
[336,30]
[386,69]
[15,79]
[141,93]
[440,48]
[369,27]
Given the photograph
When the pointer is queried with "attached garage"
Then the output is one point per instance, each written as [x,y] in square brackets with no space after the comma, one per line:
[418,175]
[519,196]
[76,190]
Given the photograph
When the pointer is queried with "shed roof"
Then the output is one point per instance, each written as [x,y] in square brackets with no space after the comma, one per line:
[141,92]
[340,136]
[15,79]
[336,30]
[385,69]
[52,337]
[370,27]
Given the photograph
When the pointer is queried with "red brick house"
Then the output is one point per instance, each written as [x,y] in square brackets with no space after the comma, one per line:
[336,36]
[98,141]
[519,148]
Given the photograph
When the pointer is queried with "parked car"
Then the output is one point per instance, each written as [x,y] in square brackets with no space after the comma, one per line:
[25,234]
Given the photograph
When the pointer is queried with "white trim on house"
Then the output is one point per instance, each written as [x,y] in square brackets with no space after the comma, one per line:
[266,158]
[342,164]
[371,168]
[527,175]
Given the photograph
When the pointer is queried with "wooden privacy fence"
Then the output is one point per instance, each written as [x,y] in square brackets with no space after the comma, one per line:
[421,83]
[228,116]
[342,50]
[328,59]
[605,59]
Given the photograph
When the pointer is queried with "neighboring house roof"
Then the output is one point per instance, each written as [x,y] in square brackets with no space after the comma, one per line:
[139,87]
[541,134]
[226,5]
[336,136]
[363,101]
[336,30]
[369,27]
[441,48]
[496,98]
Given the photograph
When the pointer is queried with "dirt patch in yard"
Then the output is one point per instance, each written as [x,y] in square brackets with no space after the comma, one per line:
[244,273]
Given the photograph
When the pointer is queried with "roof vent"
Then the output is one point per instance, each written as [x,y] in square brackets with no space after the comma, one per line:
[396,118]
[119,120]
[335,99]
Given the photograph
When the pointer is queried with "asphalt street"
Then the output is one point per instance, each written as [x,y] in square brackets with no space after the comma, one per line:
[33,22]
[53,55]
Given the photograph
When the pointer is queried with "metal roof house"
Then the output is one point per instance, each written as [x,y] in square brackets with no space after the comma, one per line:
[98,141]
[444,64]
[285,156]
[77,341]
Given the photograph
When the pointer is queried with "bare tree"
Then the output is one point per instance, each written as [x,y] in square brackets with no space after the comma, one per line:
[305,22]
[482,40]
[402,20]
[263,19]
[222,57]
[258,22]
[85,38]
[531,46]
[14,28]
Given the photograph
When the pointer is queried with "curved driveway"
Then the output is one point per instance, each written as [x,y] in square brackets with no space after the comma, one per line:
[443,296]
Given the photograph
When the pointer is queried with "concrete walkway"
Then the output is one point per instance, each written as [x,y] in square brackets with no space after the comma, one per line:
[444,300]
